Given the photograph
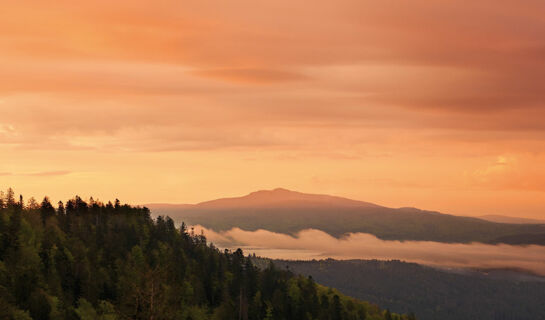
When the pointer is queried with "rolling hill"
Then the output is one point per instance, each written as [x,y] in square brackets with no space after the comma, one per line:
[288,212]
[429,292]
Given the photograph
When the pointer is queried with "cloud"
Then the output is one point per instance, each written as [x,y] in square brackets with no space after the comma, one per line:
[426,57]
[309,244]
[48,173]
[237,67]
[510,172]
[436,86]
[38,174]
[252,76]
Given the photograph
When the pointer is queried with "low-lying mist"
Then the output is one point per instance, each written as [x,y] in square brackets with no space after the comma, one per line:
[316,244]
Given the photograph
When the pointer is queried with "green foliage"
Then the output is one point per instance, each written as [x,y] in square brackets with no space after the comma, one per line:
[90,260]
[431,293]
[85,310]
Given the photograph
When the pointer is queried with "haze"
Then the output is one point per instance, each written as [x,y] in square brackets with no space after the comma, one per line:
[434,105]
[316,244]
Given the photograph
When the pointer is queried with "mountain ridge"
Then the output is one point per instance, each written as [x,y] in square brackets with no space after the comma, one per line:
[284,211]
[291,197]
[278,197]
[509,219]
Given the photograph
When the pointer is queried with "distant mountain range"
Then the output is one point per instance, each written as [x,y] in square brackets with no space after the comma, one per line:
[506,219]
[288,212]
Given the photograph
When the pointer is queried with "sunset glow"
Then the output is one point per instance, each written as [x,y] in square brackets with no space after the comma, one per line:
[428,104]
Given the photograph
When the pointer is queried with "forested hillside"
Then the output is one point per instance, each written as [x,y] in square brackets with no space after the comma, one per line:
[90,260]
[431,293]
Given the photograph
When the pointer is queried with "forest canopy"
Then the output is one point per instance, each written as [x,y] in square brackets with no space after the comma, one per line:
[85,259]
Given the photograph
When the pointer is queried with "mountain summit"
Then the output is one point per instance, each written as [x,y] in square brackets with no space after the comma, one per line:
[285,211]
[283,198]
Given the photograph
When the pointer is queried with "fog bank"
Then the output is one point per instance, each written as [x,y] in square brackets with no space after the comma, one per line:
[316,244]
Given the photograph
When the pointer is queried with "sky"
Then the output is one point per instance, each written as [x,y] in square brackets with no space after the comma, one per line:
[433,104]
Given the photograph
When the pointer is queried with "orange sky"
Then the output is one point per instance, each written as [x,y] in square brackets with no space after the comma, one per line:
[433,104]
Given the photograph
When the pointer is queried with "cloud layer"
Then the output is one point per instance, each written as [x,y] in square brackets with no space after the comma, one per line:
[316,244]
[322,95]
[241,66]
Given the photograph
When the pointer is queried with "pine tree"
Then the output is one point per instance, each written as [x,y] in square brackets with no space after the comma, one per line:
[46,210]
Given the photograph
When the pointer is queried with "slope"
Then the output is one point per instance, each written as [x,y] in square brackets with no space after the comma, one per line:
[104,261]
[288,212]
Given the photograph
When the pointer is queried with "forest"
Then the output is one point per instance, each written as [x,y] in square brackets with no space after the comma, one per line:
[432,293]
[93,260]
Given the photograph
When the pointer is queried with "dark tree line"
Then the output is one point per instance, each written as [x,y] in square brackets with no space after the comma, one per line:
[431,293]
[93,260]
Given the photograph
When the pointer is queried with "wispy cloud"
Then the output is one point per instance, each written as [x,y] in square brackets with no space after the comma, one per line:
[253,76]
[47,173]
[318,88]
[38,174]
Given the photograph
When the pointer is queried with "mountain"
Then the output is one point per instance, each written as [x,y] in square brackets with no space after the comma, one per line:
[289,212]
[507,219]
[95,261]
[431,293]
[277,198]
